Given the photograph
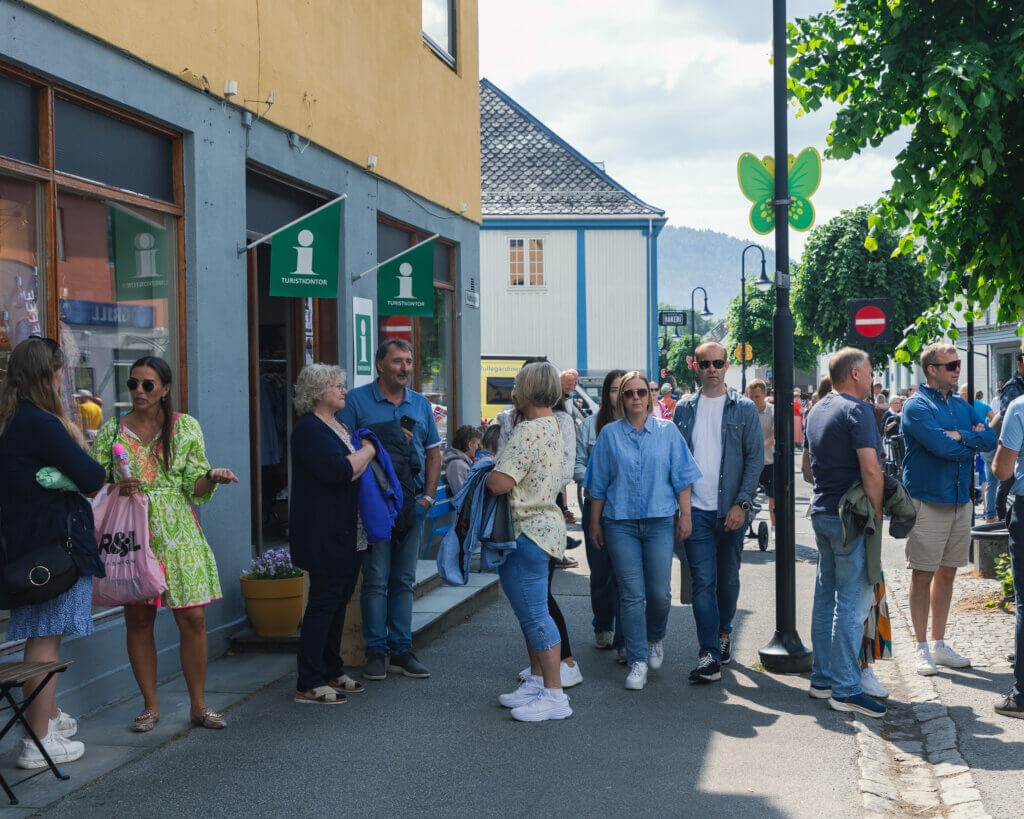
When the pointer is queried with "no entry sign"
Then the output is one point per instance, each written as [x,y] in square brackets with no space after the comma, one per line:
[398,327]
[870,321]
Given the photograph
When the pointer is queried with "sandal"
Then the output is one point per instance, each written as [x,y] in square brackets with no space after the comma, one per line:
[208,718]
[145,721]
[321,695]
[346,684]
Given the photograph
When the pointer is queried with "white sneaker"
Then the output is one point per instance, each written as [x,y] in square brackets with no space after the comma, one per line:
[529,689]
[637,678]
[620,656]
[549,704]
[945,655]
[870,685]
[570,674]
[63,725]
[603,639]
[59,749]
[925,664]
[655,655]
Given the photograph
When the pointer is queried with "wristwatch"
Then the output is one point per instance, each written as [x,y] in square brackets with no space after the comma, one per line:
[745,506]
[428,498]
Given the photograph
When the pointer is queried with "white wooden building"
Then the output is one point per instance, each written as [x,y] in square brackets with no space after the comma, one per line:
[568,257]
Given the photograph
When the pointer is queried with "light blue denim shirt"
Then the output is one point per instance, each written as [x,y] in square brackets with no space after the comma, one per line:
[586,438]
[639,474]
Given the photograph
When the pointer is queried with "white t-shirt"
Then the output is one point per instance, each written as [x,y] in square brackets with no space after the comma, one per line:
[707,452]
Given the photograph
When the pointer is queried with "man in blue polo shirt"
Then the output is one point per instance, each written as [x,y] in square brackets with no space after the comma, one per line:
[389,572]
[1008,465]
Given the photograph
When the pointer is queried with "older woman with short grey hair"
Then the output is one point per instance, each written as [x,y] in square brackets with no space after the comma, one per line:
[327,539]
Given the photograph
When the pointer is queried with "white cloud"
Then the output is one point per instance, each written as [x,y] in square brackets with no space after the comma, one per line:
[668,93]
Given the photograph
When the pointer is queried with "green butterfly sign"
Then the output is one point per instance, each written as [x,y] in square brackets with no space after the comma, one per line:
[757,181]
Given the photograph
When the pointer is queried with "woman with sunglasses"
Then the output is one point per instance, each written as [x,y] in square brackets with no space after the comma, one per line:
[35,433]
[638,479]
[167,462]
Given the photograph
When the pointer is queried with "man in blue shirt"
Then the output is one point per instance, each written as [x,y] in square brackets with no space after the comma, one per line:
[389,570]
[942,435]
[1008,465]
[723,431]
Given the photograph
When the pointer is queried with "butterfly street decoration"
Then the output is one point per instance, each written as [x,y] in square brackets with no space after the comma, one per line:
[757,181]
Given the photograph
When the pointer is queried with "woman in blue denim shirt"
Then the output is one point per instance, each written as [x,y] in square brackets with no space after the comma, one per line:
[639,476]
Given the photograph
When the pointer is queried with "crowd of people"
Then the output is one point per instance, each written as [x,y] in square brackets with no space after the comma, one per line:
[661,472]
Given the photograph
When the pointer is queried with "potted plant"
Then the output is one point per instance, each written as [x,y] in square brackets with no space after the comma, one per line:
[272,589]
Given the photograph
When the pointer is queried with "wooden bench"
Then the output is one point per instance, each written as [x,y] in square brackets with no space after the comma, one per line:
[15,675]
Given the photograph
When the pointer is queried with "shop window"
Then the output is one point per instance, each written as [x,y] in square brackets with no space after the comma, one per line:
[526,262]
[20,262]
[439,28]
[118,294]
[95,146]
[19,136]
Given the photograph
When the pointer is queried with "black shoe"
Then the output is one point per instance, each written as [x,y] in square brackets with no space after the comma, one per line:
[708,670]
[375,668]
[1011,659]
[407,663]
[725,646]
[1010,707]
[571,542]
[566,563]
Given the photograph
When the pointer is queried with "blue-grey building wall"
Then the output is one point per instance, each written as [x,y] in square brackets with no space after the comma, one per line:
[217,145]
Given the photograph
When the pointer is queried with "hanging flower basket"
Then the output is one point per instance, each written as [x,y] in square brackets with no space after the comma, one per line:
[272,590]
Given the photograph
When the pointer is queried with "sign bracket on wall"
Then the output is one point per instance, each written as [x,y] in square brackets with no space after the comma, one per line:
[242,250]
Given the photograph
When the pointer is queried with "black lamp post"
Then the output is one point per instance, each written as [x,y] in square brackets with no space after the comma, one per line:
[764,284]
[785,654]
[705,314]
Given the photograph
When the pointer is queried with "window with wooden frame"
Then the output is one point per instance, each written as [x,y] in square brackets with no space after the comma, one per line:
[526,262]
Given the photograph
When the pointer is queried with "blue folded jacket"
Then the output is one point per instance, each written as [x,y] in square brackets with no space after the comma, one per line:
[380,493]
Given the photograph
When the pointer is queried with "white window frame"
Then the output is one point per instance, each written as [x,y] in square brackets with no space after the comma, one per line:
[444,54]
[527,273]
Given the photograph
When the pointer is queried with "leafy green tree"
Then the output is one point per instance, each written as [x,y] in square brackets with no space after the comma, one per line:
[836,267]
[953,73]
[760,310]
[665,342]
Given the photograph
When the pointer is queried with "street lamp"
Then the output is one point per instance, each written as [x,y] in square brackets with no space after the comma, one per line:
[704,314]
[764,284]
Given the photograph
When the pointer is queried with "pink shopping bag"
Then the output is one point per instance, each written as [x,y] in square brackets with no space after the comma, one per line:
[122,532]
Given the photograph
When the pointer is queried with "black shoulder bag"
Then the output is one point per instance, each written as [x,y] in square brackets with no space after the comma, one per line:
[43,573]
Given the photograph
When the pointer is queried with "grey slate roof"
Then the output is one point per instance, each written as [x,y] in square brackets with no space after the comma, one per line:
[527,169]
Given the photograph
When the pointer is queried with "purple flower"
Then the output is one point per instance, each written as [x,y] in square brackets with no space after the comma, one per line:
[274,564]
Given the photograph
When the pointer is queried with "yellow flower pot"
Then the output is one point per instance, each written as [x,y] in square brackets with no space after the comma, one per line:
[274,606]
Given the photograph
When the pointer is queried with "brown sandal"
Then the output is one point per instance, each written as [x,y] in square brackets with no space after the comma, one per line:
[145,721]
[208,718]
[346,685]
[321,695]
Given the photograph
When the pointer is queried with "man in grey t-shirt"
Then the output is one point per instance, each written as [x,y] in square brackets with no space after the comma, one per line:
[757,391]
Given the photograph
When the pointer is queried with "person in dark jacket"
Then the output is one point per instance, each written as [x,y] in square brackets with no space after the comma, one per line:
[459,457]
[35,433]
[327,537]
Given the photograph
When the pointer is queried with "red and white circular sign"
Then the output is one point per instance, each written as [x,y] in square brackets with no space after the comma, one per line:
[398,327]
[869,321]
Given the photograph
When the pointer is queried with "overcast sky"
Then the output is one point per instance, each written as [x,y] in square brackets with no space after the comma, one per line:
[668,93]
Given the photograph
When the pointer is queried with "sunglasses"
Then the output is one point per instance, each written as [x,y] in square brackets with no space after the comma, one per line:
[640,393]
[950,366]
[717,363]
[53,345]
[133,384]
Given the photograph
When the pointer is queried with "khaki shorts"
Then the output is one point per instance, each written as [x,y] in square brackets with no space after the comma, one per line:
[940,537]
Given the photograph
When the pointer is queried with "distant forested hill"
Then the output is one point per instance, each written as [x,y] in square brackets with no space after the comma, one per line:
[689,257]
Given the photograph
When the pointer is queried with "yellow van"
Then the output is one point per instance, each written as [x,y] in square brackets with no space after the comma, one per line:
[497,374]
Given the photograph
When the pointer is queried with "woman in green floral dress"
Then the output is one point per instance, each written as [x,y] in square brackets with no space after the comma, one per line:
[173,480]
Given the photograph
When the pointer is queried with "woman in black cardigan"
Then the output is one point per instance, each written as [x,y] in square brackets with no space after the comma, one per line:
[35,433]
[327,539]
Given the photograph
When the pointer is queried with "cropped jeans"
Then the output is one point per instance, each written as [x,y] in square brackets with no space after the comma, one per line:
[842,600]
[524,579]
[714,556]
[389,574]
[641,553]
[604,591]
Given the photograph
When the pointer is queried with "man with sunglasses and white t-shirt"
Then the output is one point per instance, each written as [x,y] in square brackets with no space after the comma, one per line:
[943,433]
[723,431]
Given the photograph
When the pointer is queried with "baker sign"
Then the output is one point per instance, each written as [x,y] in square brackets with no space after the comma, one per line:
[870,321]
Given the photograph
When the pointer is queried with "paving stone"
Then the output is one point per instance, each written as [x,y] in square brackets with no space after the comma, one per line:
[951,756]
[921,799]
[958,796]
[940,741]
[968,810]
[871,769]
[909,746]
[929,710]
[949,768]
[964,780]
[877,804]
[883,789]
[936,725]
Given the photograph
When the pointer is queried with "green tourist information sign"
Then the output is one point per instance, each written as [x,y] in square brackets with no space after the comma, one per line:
[405,284]
[304,256]
[142,255]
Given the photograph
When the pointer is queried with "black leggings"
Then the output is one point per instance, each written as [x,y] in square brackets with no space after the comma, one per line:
[556,614]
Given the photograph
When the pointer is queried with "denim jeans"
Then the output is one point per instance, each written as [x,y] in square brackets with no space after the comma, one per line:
[991,484]
[641,553]
[1017,560]
[604,591]
[714,556]
[524,579]
[389,573]
[319,654]
[842,600]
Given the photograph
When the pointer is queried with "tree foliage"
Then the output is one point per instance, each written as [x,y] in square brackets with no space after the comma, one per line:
[953,73]
[760,311]
[836,267]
